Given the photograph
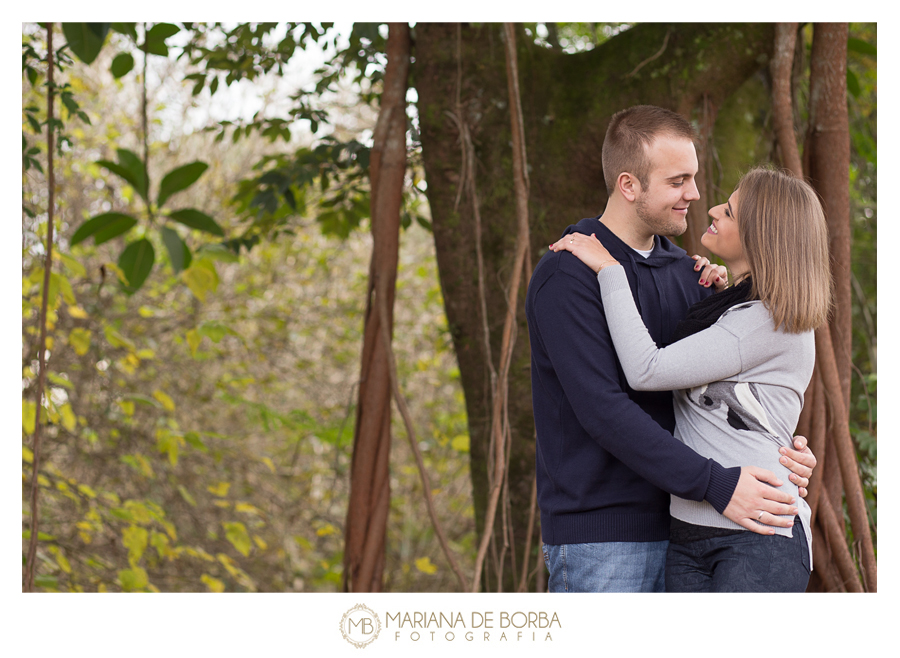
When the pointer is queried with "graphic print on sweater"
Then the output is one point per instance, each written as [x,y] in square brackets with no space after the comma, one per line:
[744,411]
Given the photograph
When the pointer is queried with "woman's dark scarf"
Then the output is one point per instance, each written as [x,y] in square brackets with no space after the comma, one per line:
[706,312]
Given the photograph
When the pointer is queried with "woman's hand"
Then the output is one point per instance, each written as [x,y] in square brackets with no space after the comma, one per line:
[587,249]
[712,274]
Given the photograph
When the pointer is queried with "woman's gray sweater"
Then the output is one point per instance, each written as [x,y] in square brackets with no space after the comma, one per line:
[738,388]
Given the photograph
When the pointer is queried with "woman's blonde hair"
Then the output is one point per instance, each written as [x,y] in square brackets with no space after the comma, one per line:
[785,241]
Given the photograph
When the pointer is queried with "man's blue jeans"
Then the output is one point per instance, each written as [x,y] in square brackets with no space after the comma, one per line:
[607,567]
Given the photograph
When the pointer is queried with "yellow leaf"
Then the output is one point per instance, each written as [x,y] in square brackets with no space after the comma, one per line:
[75,268]
[116,339]
[425,565]
[228,563]
[135,538]
[63,562]
[201,278]
[145,312]
[28,414]
[68,417]
[80,340]
[268,462]
[220,489]
[145,354]
[193,338]
[87,491]
[27,454]
[133,579]
[49,342]
[222,503]
[164,400]
[236,533]
[460,443]
[214,584]
[187,496]
[326,529]
[115,269]
[127,407]
[260,542]
[247,507]
[77,312]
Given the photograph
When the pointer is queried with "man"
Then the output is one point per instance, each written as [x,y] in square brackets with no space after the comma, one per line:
[606,457]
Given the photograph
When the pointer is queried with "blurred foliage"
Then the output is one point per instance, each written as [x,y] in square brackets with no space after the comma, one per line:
[199,429]
[862,103]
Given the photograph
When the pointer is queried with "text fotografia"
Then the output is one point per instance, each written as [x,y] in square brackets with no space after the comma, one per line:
[479,626]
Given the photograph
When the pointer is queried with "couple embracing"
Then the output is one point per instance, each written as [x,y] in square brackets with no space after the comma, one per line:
[666,396]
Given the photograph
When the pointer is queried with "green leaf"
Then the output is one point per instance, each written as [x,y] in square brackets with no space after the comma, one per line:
[198,220]
[85,39]
[121,65]
[46,581]
[155,39]
[130,169]
[218,251]
[853,84]
[60,381]
[135,167]
[193,439]
[862,47]
[136,262]
[35,124]
[189,499]
[179,254]
[216,331]
[103,227]
[128,29]
[180,179]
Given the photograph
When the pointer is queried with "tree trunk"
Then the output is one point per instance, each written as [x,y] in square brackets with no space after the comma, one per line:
[828,156]
[782,98]
[567,101]
[369,502]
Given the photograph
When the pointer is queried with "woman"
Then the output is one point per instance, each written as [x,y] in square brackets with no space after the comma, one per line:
[739,365]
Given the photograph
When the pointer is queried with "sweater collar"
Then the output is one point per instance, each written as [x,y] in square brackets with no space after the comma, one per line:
[664,251]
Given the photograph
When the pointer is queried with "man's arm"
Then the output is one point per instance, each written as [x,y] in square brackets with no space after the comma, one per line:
[570,320]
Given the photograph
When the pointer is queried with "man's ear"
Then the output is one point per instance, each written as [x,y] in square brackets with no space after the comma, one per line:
[628,185]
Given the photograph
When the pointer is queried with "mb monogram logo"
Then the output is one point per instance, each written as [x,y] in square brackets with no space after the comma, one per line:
[360,626]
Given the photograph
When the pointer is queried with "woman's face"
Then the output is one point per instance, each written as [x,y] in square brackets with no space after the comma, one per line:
[722,237]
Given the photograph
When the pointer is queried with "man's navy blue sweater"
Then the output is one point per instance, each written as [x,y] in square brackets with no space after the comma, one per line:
[606,457]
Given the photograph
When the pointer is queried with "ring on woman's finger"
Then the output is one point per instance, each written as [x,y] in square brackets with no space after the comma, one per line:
[760,515]
[572,240]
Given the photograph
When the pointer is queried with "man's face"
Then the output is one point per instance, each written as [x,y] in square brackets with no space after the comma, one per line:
[663,206]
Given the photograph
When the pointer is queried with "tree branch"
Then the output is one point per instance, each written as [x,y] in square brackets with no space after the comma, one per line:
[500,429]
[28,584]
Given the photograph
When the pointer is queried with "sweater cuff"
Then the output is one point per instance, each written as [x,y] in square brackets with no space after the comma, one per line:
[722,483]
[612,278]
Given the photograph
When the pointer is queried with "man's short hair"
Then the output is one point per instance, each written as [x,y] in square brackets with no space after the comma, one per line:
[630,133]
